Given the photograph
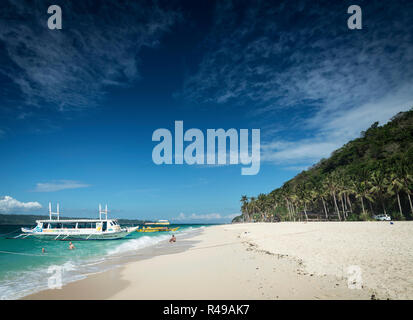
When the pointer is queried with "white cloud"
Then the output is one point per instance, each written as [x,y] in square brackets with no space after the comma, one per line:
[296,168]
[334,129]
[59,185]
[303,150]
[10,205]
[205,217]
[348,123]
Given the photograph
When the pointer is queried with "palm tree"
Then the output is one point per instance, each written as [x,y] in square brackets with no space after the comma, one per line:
[261,204]
[273,201]
[315,194]
[405,176]
[332,186]
[285,192]
[289,207]
[323,194]
[294,203]
[244,208]
[347,180]
[395,186]
[379,185]
[302,196]
[361,189]
[252,207]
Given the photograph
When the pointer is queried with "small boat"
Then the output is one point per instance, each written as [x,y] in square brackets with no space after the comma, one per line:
[77,229]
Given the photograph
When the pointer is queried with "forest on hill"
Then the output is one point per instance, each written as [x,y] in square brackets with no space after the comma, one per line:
[371,175]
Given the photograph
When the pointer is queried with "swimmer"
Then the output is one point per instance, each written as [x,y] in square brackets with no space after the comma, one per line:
[173,239]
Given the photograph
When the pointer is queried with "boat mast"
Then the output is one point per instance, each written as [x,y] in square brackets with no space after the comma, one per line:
[54,213]
[105,212]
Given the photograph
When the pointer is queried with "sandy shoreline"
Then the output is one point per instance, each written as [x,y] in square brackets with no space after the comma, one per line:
[265,261]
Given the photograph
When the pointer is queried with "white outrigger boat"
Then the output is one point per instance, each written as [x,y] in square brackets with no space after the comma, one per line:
[77,229]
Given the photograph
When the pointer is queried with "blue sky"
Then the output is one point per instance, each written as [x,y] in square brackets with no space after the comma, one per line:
[78,106]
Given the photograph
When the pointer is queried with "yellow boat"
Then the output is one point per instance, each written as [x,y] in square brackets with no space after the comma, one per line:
[146,230]
[157,229]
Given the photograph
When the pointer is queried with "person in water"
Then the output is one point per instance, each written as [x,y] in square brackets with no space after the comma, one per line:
[43,250]
[173,239]
[71,246]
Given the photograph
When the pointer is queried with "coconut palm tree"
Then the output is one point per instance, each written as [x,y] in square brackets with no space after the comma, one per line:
[323,194]
[314,194]
[361,190]
[252,207]
[332,187]
[285,193]
[294,199]
[347,180]
[379,185]
[406,177]
[395,186]
[302,196]
[273,202]
[262,206]
[244,208]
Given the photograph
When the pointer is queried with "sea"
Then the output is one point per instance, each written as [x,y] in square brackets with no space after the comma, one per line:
[24,269]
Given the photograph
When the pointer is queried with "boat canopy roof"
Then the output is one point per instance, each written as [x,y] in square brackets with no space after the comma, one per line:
[74,220]
[58,220]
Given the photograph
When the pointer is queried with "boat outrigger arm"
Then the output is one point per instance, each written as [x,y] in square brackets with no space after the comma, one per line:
[77,229]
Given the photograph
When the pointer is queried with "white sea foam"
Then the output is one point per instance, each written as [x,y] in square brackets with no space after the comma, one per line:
[146,241]
[27,282]
[23,283]
[136,244]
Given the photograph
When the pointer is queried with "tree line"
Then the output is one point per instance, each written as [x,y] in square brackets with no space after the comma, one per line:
[369,176]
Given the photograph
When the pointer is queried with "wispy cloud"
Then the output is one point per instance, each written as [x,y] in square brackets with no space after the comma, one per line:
[301,150]
[72,68]
[296,168]
[59,185]
[11,205]
[205,217]
[334,129]
[333,82]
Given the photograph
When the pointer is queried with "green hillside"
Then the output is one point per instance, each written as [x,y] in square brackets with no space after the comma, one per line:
[368,176]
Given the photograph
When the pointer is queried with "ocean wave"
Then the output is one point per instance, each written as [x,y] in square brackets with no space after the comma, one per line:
[137,243]
[18,284]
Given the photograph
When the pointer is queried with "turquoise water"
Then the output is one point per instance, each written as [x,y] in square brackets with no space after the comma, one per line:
[24,268]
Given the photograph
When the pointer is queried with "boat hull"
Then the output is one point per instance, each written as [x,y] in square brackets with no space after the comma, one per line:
[80,236]
[157,229]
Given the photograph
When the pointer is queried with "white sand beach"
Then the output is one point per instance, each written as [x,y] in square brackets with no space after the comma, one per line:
[265,261]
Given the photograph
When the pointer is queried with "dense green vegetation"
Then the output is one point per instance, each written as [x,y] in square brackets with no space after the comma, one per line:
[368,176]
[28,219]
